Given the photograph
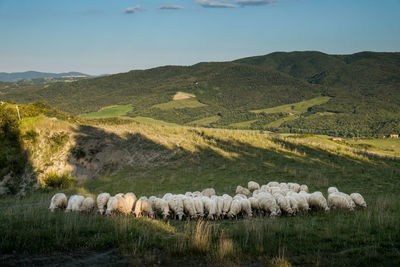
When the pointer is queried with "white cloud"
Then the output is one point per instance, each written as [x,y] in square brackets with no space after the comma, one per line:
[215,4]
[169,6]
[133,9]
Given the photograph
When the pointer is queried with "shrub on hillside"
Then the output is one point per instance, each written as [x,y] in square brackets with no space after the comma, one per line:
[53,180]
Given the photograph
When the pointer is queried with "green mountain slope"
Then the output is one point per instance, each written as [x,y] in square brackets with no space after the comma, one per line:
[364,91]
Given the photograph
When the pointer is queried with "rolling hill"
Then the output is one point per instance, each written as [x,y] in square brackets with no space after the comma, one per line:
[28,75]
[362,93]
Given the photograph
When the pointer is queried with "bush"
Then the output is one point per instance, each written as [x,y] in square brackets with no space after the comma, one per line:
[53,180]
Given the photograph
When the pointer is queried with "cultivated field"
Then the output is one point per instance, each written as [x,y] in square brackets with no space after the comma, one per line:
[163,159]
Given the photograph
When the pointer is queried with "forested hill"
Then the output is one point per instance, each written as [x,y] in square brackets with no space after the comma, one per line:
[305,92]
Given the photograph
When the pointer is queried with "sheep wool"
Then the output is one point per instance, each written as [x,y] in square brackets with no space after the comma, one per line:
[130,199]
[102,200]
[358,200]
[339,201]
[332,189]
[246,208]
[58,201]
[74,203]
[236,208]
[241,190]
[198,204]
[253,186]
[273,184]
[87,205]
[304,188]
[227,204]
[143,208]
[161,206]
[189,208]
[317,201]
[208,192]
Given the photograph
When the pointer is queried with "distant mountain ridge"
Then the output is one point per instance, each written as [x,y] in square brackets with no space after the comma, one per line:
[303,92]
[19,76]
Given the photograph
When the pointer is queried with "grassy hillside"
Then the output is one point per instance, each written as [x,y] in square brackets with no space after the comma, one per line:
[363,91]
[153,159]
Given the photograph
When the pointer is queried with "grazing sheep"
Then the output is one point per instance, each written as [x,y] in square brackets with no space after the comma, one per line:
[273,184]
[294,205]
[332,189]
[102,200]
[58,201]
[246,208]
[267,203]
[236,208]
[87,205]
[358,200]
[161,206]
[210,207]
[227,204]
[340,201]
[167,196]
[119,195]
[301,201]
[295,187]
[143,208]
[74,203]
[117,204]
[197,194]
[208,192]
[189,207]
[130,199]
[283,204]
[199,206]
[241,190]
[256,192]
[253,186]
[254,204]
[220,205]
[176,206]
[317,201]
[189,194]
[265,188]
[274,190]
[304,188]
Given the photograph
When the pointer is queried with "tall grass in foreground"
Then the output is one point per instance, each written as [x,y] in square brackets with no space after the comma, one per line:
[362,237]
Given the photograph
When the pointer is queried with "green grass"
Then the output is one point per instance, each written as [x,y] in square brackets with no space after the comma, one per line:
[278,123]
[109,111]
[204,122]
[180,159]
[153,121]
[243,124]
[180,104]
[295,108]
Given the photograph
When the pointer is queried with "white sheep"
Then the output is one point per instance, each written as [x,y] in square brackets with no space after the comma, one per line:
[58,201]
[219,201]
[210,206]
[265,188]
[267,203]
[301,201]
[295,187]
[254,204]
[294,205]
[143,208]
[227,204]
[253,186]
[167,196]
[304,188]
[87,205]
[208,192]
[117,204]
[273,184]
[199,206]
[176,206]
[339,201]
[358,200]
[74,203]
[102,200]
[241,190]
[162,207]
[246,208]
[283,203]
[317,201]
[236,208]
[332,189]
[130,199]
[189,207]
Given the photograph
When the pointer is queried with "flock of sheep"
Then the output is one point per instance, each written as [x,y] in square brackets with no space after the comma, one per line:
[272,199]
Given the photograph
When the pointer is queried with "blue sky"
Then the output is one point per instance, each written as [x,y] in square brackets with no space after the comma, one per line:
[110,36]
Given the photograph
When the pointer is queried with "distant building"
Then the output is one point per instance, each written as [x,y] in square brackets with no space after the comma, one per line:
[393,136]
[336,139]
